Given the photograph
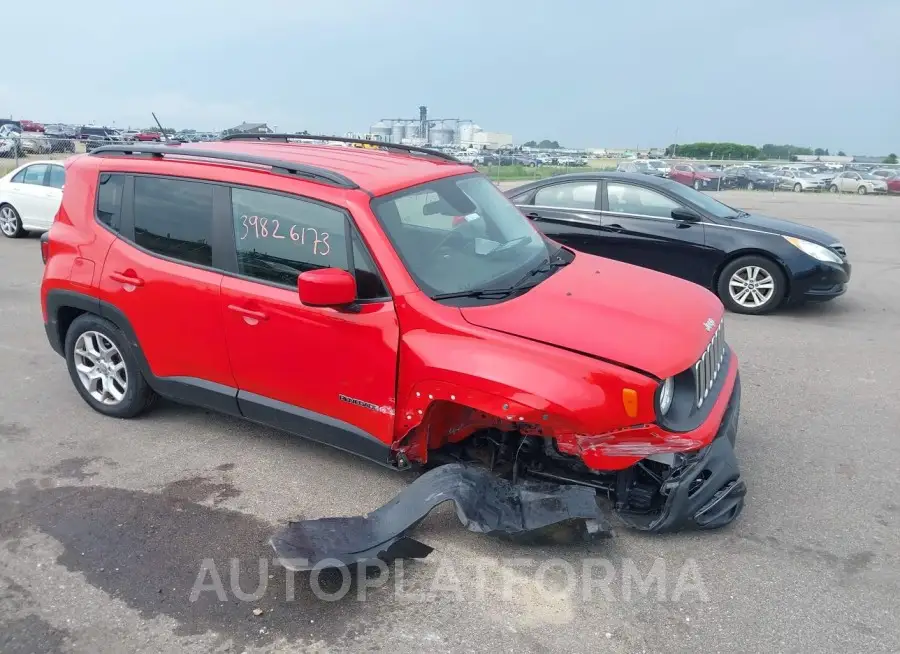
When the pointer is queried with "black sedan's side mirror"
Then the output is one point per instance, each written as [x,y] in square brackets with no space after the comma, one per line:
[687,215]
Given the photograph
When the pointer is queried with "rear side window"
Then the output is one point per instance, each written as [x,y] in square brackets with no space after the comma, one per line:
[278,237]
[57,177]
[109,200]
[571,195]
[173,218]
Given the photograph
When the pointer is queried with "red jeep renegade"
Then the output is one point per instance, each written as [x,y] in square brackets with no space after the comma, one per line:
[390,302]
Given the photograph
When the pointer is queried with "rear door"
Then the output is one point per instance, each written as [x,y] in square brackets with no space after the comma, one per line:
[568,212]
[160,274]
[638,228]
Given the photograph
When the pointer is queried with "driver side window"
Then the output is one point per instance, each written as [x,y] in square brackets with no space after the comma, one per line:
[626,198]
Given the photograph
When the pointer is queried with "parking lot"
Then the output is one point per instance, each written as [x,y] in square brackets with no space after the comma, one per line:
[105,524]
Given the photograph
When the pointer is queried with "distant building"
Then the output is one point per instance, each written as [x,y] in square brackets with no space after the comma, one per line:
[248,128]
[866,159]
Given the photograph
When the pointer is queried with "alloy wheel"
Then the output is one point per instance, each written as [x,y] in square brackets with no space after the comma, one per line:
[101,368]
[751,287]
[9,221]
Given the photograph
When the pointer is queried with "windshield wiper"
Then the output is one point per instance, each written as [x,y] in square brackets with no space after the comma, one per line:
[545,266]
[740,214]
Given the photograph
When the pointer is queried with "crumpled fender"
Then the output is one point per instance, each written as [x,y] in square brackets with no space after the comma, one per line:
[526,512]
[506,379]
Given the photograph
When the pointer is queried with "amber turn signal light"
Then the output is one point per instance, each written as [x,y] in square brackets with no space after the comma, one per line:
[630,402]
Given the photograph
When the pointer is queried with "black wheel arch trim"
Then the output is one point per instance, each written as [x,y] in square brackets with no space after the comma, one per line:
[219,397]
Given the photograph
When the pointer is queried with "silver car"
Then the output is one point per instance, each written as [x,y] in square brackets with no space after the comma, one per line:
[799,180]
[855,181]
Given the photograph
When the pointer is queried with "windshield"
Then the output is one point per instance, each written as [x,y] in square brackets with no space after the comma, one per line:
[459,234]
[702,200]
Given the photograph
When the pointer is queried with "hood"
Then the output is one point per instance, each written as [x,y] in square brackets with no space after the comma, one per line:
[783,227]
[628,315]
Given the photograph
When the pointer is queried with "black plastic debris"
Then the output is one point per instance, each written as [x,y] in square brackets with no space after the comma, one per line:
[528,512]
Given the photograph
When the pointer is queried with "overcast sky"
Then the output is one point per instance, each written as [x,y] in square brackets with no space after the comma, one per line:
[589,73]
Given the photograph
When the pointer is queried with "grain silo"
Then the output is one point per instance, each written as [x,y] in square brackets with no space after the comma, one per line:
[398,131]
[442,135]
[381,130]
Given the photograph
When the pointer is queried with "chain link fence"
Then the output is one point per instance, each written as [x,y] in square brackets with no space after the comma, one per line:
[18,148]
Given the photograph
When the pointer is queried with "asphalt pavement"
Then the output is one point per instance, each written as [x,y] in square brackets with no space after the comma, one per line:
[147,535]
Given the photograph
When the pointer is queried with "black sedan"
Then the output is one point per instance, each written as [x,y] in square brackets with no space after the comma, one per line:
[749,178]
[753,263]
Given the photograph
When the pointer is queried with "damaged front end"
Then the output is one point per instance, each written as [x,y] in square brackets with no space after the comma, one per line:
[508,482]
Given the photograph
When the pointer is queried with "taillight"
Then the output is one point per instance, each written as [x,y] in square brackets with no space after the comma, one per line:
[45,246]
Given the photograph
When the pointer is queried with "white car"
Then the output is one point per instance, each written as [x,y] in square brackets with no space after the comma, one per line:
[30,196]
[857,181]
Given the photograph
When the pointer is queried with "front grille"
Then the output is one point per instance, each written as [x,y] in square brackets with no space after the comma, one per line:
[837,247]
[707,368]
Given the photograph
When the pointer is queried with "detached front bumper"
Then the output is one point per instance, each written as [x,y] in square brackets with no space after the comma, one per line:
[704,489]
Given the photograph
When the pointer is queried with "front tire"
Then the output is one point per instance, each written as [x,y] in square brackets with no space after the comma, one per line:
[834,188]
[104,369]
[750,186]
[697,185]
[798,188]
[862,190]
[752,285]
[10,222]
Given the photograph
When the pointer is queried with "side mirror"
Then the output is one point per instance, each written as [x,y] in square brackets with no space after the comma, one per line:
[687,215]
[327,287]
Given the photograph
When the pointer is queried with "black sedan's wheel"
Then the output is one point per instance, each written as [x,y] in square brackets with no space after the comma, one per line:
[752,285]
[750,186]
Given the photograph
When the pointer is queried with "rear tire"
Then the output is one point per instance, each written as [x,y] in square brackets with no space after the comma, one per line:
[760,277]
[798,188]
[10,222]
[104,369]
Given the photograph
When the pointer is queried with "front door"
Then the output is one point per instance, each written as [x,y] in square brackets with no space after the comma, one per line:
[638,228]
[328,374]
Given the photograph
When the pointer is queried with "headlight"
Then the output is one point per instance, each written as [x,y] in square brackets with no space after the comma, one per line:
[666,393]
[814,250]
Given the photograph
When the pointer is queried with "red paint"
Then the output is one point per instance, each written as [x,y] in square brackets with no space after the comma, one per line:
[552,362]
[329,287]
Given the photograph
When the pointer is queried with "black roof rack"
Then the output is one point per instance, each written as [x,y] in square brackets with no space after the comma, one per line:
[412,149]
[312,173]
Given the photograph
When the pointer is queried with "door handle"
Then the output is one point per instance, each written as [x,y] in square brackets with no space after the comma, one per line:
[615,228]
[248,313]
[533,215]
[131,280]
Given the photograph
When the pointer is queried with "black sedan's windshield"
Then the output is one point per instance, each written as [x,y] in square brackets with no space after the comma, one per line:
[459,234]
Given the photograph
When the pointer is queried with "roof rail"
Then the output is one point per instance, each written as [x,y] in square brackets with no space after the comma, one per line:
[412,149]
[311,173]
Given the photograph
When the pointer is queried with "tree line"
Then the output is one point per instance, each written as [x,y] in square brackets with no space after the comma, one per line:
[711,150]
